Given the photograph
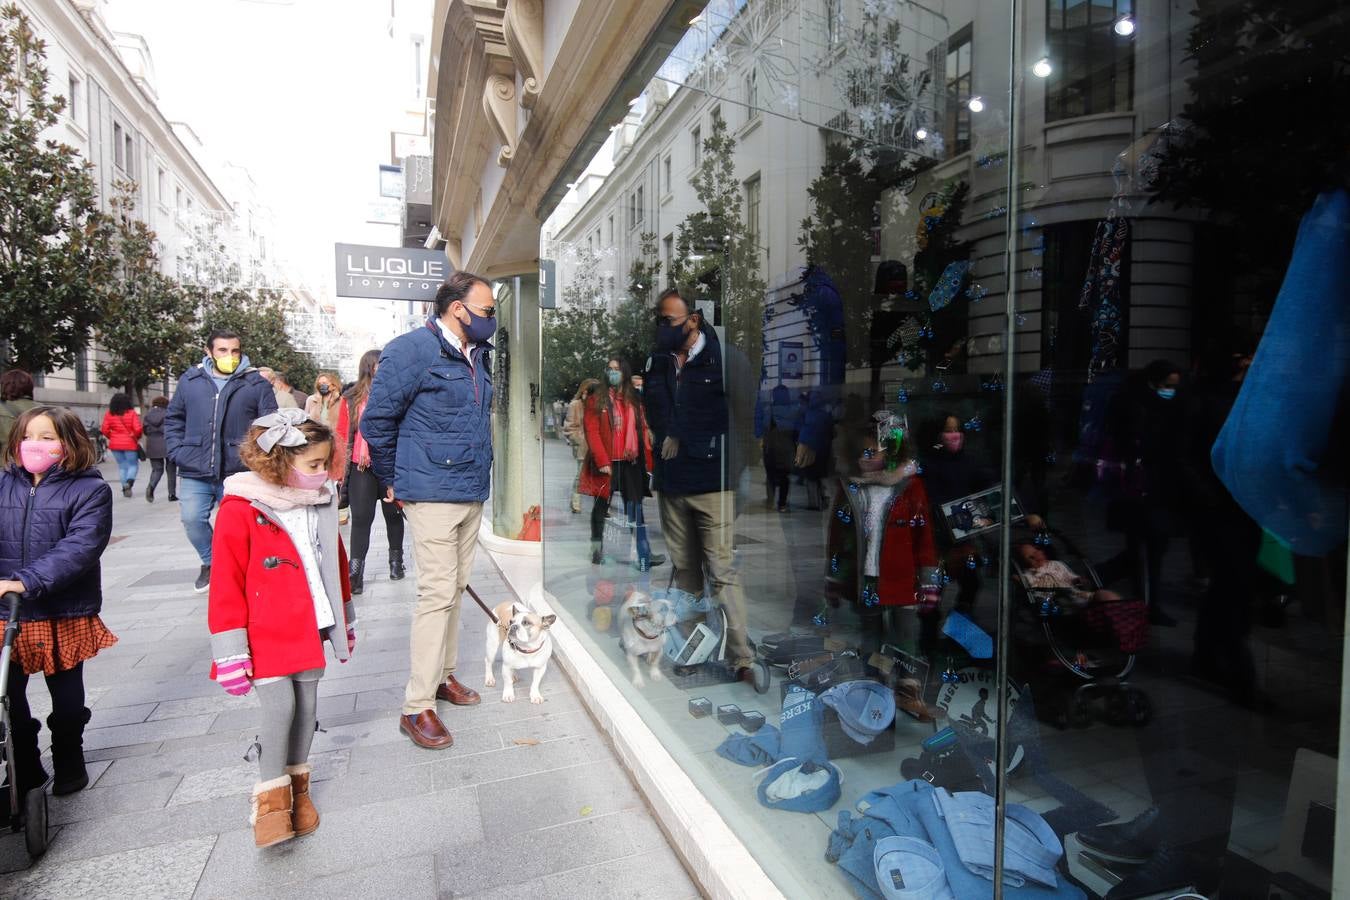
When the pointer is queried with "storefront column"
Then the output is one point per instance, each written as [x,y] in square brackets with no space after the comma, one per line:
[516,475]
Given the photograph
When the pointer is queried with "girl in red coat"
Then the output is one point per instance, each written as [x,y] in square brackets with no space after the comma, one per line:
[619,455]
[279,591]
[122,427]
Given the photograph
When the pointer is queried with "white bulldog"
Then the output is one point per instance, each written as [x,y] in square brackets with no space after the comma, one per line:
[525,643]
[643,623]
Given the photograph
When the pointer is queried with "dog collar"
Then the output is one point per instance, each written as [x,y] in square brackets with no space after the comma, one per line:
[650,637]
[519,649]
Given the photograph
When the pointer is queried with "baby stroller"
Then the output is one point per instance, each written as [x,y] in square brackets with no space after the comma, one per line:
[698,640]
[1091,645]
[26,813]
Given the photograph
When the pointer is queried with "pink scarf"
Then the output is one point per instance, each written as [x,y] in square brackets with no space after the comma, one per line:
[280,497]
[360,449]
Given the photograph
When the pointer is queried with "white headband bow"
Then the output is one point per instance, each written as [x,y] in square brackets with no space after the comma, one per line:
[281,429]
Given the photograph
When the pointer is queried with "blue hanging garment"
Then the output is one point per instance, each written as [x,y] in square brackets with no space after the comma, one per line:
[1283,451]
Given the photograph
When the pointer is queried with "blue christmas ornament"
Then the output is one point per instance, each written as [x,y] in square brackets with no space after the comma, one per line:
[971,562]
[820,619]
[903,395]
[939,386]
[974,424]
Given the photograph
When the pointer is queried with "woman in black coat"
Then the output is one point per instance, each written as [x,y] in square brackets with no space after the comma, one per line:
[156,450]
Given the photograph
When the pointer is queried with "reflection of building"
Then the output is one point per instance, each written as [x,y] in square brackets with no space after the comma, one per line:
[113,120]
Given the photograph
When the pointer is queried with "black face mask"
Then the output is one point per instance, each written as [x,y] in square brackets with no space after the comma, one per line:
[324,389]
[669,338]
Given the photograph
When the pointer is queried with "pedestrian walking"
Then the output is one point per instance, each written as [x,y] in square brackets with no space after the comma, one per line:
[322,405]
[428,425]
[55,521]
[207,419]
[16,397]
[278,593]
[686,405]
[122,427]
[574,432]
[285,400]
[298,397]
[156,450]
[620,458]
[363,489]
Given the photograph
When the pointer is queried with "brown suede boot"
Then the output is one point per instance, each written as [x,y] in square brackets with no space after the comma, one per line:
[304,817]
[271,815]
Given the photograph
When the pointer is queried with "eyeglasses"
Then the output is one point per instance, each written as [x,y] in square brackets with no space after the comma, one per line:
[671,320]
[487,312]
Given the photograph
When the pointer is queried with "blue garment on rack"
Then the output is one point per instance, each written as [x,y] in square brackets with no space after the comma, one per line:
[1283,451]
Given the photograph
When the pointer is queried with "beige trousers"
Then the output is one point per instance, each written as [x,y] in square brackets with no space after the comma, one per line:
[444,538]
[699,530]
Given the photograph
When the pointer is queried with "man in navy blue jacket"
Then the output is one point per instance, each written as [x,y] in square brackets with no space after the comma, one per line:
[696,467]
[428,425]
[209,416]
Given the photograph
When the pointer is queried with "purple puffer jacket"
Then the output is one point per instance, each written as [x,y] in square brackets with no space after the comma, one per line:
[51,538]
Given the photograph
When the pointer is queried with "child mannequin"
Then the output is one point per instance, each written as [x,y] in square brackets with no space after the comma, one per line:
[277,549]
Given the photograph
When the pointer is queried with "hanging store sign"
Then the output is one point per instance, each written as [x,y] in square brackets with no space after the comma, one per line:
[390,273]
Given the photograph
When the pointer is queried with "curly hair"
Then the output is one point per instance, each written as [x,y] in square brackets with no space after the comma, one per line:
[276,466]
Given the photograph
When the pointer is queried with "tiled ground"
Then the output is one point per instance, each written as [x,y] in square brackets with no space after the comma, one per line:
[530,801]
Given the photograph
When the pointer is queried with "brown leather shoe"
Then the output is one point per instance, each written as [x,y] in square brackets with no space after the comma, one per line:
[454,692]
[426,730]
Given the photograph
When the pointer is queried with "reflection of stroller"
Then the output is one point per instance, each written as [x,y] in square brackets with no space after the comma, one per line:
[699,638]
[27,813]
[1092,644]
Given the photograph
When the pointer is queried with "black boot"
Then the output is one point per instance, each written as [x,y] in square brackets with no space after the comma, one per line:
[126,489]
[357,575]
[68,751]
[150,494]
[27,761]
[396,571]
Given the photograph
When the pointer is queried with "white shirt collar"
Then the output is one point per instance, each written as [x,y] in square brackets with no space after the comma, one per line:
[698,346]
[453,339]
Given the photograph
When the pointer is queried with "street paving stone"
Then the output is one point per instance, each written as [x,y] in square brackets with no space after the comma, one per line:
[530,801]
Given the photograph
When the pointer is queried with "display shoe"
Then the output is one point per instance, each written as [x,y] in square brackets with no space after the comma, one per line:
[357,575]
[396,570]
[1166,874]
[68,751]
[304,817]
[271,815]
[1134,841]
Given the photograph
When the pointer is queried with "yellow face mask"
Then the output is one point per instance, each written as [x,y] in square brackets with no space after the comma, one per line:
[227,365]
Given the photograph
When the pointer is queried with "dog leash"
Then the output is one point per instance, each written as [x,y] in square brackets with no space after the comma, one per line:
[481,605]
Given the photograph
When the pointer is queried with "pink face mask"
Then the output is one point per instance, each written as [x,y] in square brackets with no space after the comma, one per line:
[953,441]
[39,456]
[306,481]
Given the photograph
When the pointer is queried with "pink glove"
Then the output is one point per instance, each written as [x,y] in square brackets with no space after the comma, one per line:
[233,675]
[351,640]
[930,596]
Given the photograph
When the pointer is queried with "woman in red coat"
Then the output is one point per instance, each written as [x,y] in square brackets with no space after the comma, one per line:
[619,456]
[279,592]
[122,427]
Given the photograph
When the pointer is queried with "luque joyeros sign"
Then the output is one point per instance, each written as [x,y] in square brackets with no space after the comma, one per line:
[390,273]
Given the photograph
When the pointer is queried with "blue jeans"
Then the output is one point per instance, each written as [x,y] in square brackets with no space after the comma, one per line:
[196,499]
[127,465]
[633,510]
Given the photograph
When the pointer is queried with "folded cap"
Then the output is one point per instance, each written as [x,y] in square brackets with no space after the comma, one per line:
[910,869]
[865,708]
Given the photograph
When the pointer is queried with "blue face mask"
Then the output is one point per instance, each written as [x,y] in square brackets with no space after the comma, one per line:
[480,328]
[613,377]
[1166,393]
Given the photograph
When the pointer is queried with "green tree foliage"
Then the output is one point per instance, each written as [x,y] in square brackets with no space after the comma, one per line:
[1260,136]
[631,327]
[150,319]
[55,245]
[716,257]
[574,349]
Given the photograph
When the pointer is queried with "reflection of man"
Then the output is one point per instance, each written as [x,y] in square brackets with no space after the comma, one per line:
[428,426]
[686,406]
[214,406]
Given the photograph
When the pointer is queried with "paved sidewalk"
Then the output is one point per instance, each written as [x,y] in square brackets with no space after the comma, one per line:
[530,802]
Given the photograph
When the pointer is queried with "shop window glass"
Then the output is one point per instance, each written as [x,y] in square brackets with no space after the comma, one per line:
[964,489]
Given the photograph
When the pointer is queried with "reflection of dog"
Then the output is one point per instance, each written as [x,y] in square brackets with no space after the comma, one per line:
[524,640]
[644,622]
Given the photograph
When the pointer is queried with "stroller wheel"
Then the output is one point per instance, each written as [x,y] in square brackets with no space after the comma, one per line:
[1138,708]
[1079,712]
[35,822]
[760,670]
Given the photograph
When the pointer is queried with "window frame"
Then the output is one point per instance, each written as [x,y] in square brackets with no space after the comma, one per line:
[1080,84]
[958,87]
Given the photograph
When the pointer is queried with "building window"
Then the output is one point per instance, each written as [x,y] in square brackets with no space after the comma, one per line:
[1093,65]
[752,211]
[119,148]
[696,142]
[752,93]
[959,85]
[666,168]
[82,369]
[418,74]
[590,244]
[833,23]
[178,198]
[639,204]
[611,230]
[161,187]
[668,256]
[75,99]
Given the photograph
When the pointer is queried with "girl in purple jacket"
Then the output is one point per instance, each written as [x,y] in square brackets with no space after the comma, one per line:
[55,521]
